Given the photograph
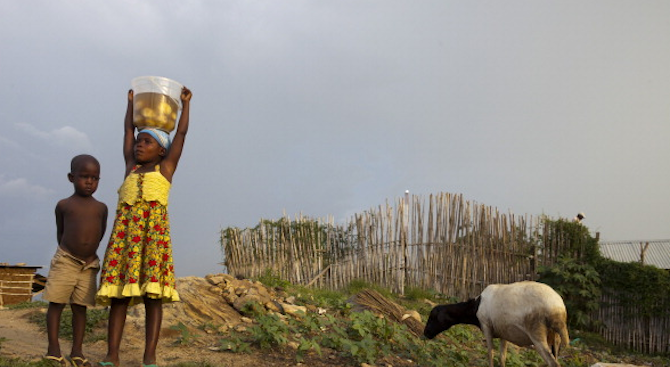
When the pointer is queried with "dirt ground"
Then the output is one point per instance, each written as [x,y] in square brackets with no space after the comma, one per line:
[23,339]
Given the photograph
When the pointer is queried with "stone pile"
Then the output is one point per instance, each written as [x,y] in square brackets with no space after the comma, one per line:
[219,300]
[239,292]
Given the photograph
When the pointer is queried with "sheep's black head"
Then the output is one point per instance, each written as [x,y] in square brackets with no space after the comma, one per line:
[440,319]
[443,317]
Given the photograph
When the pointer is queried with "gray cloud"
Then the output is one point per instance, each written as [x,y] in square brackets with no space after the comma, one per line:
[20,187]
[331,108]
[63,137]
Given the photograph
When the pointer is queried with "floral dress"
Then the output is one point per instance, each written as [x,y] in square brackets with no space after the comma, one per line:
[138,259]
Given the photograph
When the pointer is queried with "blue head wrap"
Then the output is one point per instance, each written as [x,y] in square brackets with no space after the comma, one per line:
[161,136]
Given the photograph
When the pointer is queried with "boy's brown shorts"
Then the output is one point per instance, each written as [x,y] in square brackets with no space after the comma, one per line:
[71,280]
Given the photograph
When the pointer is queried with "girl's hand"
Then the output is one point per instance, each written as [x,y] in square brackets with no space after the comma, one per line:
[131,94]
[186,94]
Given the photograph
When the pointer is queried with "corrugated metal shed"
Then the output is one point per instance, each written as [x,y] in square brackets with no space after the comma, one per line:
[657,254]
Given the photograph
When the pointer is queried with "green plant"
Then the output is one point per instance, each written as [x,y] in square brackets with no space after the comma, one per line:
[270,331]
[272,279]
[642,289]
[235,344]
[252,309]
[185,337]
[305,345]
[579,285]
[209,327]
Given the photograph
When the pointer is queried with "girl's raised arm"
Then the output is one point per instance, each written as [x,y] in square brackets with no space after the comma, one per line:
[169,163]
[129,135]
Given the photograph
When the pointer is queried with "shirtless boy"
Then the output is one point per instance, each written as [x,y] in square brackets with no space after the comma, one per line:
[81,221]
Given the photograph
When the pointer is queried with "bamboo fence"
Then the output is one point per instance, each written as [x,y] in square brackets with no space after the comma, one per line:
[623,326]
[442,242]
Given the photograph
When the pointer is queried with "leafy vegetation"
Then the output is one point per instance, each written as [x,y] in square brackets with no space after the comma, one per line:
[644,289]
[579,284]
[185,336]
[582,275]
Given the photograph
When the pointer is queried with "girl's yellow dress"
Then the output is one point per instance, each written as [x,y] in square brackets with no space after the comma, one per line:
[138,259]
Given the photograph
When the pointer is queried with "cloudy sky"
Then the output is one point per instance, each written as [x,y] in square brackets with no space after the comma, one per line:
[333,107]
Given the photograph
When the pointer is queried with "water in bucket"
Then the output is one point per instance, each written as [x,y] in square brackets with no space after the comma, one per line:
[156,102]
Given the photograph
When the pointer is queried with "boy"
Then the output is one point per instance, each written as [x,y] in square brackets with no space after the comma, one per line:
[81,221]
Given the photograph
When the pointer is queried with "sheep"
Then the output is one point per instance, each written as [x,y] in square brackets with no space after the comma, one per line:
[524,313]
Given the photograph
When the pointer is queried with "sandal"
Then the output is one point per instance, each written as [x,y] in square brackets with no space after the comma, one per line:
[80,362]
[57,361]
[107,364]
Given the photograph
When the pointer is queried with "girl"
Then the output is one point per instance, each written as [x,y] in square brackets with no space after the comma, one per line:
[138,261]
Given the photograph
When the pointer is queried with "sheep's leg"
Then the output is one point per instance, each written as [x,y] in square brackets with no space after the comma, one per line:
[489,342]
[542,348]
[503,352]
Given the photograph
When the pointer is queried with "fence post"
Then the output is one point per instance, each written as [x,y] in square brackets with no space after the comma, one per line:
[643,251]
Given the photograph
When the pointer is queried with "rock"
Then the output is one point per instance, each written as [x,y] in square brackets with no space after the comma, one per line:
[242,301]
[272,306]
[215,279]
[293,310]
[229,298]
[200,305]
[260,291]
[216,290]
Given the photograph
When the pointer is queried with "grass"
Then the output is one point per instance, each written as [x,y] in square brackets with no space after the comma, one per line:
[27,305]
[95,319]
[12,362]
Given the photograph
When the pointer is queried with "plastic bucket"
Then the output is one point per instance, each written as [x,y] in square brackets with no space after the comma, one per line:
[156,102]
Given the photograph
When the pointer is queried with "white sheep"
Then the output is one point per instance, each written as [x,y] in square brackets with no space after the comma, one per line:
[524,313]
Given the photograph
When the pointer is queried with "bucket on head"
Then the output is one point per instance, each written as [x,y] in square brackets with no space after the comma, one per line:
[156,102]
